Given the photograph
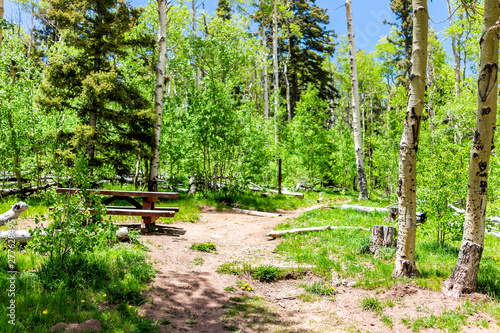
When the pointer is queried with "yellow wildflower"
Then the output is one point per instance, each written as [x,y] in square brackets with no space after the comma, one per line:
[44,311]
[83,301]
[103,295]
[129,306]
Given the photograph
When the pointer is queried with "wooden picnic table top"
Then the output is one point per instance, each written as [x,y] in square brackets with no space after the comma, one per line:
[142,194]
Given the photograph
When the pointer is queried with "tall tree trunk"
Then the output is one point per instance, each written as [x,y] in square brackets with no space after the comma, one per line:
[276,75]
[456,53]
[358,143]
[464,276]
[159,92]
[1,17]
[264,75]
[13,136]
[405,251]
[288,109]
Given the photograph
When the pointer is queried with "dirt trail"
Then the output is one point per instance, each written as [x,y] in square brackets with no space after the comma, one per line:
[189,296]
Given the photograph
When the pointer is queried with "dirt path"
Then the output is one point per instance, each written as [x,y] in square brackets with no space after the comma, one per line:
[188,295]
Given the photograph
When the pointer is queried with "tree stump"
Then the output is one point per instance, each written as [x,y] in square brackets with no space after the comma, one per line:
[382,236]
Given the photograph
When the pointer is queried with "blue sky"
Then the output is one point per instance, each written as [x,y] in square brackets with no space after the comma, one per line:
[367,16]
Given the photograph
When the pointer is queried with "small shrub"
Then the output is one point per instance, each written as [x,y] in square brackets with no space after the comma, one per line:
[230,288]
[204,247]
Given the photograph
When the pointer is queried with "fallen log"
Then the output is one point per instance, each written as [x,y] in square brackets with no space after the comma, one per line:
[295,194]
[363,208]
[13,213]
[25,190]
[255,213]
[277,233]
[494,219]
[23,236]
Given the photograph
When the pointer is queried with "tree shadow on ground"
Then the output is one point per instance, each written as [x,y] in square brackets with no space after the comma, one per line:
[194,302]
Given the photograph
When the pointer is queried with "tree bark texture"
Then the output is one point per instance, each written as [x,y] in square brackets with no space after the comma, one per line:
[358,143]
[405,265]
[464,276]
[159,93]
[275,74]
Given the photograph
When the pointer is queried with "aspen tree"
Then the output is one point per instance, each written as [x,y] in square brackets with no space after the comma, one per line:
[358,143]
[405,251]
[464,276]
[159,92]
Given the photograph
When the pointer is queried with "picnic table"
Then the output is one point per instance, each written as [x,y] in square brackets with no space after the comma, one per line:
[146,210]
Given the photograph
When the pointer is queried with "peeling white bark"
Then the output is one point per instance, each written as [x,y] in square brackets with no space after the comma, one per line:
[464,276]
[358,142]
[405,265]
[159,93]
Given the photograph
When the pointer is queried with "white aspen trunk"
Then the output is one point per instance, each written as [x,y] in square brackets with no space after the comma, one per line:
[405,251]
[358,143]
[288,108]
[159,92]
[1,17]
[276,75]
[464,276]
[265,77]
[456,54]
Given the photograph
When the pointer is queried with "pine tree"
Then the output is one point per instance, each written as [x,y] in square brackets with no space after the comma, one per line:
[223,10]
[84,76]
[308,51]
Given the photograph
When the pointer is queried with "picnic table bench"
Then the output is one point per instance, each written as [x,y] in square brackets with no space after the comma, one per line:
[146,210]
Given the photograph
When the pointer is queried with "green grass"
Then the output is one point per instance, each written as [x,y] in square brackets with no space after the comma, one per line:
[319,288]
[104,284]
[265,273]
[344,251]
[371,304]
[204,247]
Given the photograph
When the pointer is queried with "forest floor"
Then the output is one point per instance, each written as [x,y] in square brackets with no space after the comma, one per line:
[189,295]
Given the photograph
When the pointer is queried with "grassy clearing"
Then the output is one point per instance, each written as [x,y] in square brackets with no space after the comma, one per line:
[344,251]
[104,284]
